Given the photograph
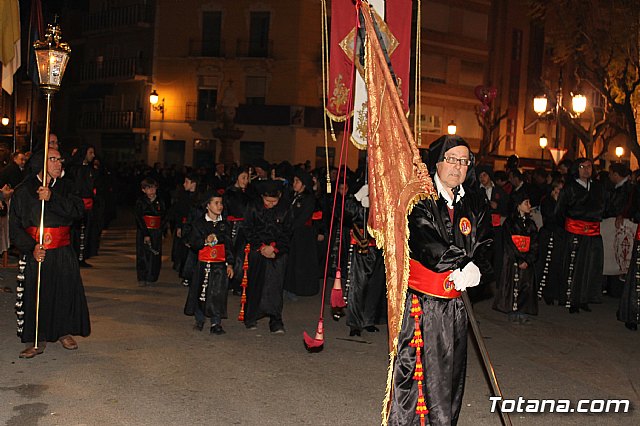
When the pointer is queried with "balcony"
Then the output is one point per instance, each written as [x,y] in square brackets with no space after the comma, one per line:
[194,112]
[137,15]
[206,48]
[254,49]
[124,121]
[115,70]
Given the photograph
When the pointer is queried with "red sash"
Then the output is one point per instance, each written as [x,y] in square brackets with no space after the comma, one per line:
[52,237]
[495,219]
[435,284]
[184,219]
[152,222]
[522,242]
[88,203]
[638,233]
[582,227]
[212,254]
[235,219]
[315,216]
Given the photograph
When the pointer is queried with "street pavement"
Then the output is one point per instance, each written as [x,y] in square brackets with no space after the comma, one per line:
[144,364]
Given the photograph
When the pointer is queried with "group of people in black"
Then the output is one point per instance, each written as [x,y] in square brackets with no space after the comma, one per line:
[560,258]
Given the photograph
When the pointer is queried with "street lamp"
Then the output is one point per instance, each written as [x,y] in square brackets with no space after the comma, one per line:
[451,128]
[5,120]
[543,144]
[51,56]
[153,100]
[619,152]
[578,106]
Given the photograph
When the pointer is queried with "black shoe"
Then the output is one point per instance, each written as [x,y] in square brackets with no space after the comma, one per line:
[631,326]
[372,329]
[574,310]
[337,313]
[278,331]
[355,332]
[585,307]
[199,325]
[84,264]
[217,329]
[251,326]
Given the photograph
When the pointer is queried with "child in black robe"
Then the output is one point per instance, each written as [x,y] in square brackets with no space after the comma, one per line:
[150,215]
[516,293]
[210,238]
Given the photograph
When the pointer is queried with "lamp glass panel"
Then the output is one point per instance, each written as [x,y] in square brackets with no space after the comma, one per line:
[540,104]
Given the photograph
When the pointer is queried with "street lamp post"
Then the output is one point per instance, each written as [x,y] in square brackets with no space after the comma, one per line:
[543,144]
[452,128]
[619,153]
[578,106]
[52,57]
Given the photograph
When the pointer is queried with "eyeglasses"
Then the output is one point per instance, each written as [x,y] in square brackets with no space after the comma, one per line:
[461,161]
[56,160]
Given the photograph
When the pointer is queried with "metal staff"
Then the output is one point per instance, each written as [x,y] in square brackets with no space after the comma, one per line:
[41,227]
[488,367]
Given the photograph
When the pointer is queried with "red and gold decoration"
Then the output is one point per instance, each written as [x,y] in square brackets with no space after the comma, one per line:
[418,344]
[244,282]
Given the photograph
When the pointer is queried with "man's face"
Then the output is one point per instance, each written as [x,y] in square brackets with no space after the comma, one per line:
[585,170]
[484,179]
[525,207]
[270,202]
[54,164]
[614,178]
[563,169]
[220,168]
[452,175]
[243,180]
[343,189]
[261,173]
[150,192]
[20,160]
[91,154]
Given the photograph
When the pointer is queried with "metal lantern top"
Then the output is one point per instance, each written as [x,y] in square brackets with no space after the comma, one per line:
[52,57]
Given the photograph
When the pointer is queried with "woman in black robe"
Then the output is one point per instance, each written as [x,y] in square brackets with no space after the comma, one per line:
[63,306]
[302,266]
[516,292]
[629,311]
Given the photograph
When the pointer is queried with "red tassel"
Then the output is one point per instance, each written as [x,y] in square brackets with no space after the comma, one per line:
[418,373]
[337,299]
[244,282]
[316,344]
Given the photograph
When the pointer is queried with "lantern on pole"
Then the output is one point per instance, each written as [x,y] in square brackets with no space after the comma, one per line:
[52,57]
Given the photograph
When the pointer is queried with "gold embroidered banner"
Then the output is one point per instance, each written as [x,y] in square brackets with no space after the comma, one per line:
[398,179]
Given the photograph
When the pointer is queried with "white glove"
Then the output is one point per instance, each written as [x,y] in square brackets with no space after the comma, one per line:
[469,276]
[363,195]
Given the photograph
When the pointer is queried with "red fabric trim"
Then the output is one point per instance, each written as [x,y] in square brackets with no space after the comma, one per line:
[429,282]
[52,237]
[582,227]
[152,222]
[495,219]
[88,203]
[235,219]
[638,233]
[354,241]
[317,215]
[522,242]
[212,254]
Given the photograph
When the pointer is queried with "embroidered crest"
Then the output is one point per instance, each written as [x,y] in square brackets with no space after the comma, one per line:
[465,226]
[448,284]
[47,238]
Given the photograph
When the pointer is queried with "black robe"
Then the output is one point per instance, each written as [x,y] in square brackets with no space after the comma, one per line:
[302,265]
[266,276]
[629,310]
[179,215]
[583,255]
[84,229]
[439,245]
[364,281]
[148,257]
[517,287]
[209,279]
[236,202]
[550,252]
[63,305]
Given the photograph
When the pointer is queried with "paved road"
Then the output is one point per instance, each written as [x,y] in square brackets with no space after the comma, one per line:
[145,365]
